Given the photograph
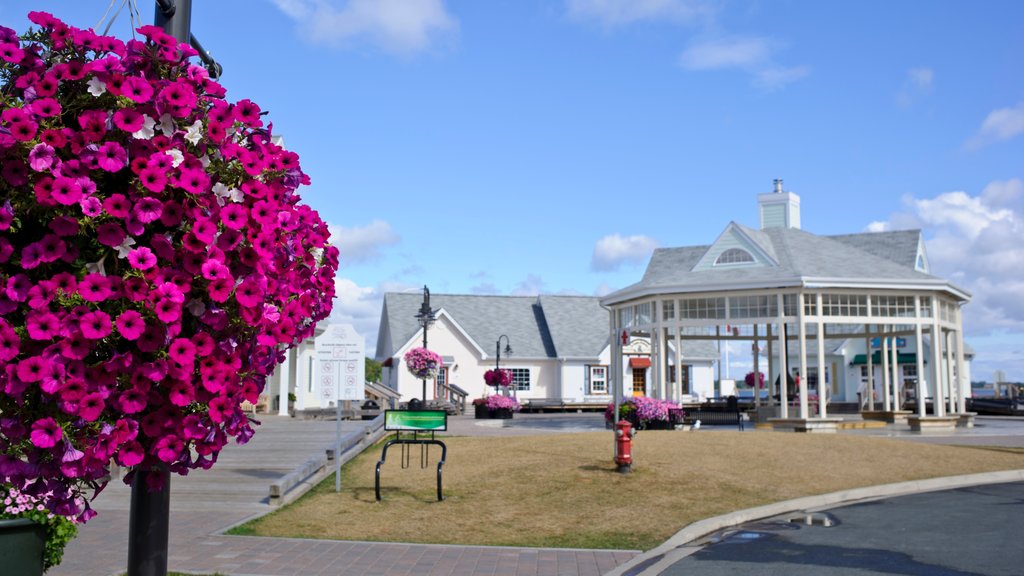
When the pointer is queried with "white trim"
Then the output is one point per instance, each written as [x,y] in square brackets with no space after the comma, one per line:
[417,336]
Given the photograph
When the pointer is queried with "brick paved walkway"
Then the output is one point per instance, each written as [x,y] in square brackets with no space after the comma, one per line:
[207,502]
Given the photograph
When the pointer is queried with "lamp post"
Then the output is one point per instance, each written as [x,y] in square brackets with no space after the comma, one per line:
[497,354]
[425,317]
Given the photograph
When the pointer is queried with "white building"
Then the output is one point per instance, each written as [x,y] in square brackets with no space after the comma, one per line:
[812,305]
[560,348]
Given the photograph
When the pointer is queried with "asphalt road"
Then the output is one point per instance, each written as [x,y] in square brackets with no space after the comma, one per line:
[964,532]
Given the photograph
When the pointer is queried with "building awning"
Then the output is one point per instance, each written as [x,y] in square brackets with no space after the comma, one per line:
[639,362]
[876,358]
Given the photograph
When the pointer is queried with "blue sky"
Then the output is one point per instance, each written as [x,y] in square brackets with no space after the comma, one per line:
[547,146]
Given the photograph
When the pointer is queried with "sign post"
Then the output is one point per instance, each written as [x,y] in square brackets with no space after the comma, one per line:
[340,353]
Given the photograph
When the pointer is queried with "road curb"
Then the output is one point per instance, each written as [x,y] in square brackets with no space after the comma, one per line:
[656,560]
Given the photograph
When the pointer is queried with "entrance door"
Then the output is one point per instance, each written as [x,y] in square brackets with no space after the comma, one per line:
[639,381]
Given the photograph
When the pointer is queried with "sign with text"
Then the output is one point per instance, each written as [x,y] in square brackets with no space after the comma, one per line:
[415,420]
[340,358]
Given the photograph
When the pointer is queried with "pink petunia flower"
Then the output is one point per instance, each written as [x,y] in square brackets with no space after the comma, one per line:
[111,156]
[95,325]
[142,258]
[46,433]
[91,406]
[94,287]
[110,234]
[137,89]
[41,157]
[130,454]
[129,120]
[130,325]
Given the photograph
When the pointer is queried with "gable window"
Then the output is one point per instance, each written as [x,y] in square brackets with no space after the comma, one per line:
[520,379]
[598,379]
[734,256]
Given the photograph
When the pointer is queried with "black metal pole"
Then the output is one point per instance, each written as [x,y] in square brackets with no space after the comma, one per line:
[175,17]
[148,525]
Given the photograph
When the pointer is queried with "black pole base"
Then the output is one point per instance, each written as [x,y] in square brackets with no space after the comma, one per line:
[624,468]
[148,525]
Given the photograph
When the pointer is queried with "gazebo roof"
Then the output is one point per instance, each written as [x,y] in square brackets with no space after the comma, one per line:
[788,257]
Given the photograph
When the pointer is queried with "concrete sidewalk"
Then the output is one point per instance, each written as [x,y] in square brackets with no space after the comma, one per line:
[237,488]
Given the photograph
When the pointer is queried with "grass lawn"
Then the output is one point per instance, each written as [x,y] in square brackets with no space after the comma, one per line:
[563,491]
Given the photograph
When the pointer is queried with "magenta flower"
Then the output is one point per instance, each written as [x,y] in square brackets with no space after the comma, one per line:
[95,325]
[45,107]
[91,406]
[128,119]
[130,454]
[142,258]
[94,287]
[46,433]
[130,325]
[137,89]
[110,234]
[154,179]
[182,351]
[41,157]
[111,157]
[148,210]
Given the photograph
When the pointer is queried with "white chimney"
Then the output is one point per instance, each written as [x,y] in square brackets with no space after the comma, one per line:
[779,209]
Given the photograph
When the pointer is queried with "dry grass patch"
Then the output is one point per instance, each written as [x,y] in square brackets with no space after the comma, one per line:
[563,491]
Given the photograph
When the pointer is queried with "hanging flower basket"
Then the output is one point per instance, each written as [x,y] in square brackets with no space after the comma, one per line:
[498,377]
[422,363]
[156,262]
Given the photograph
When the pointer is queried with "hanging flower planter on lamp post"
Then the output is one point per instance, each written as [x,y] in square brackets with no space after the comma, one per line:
[155,261]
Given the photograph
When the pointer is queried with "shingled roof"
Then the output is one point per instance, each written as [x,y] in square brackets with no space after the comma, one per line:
[538,327]
[800,258]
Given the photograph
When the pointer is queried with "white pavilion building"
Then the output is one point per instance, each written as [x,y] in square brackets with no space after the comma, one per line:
[839,315]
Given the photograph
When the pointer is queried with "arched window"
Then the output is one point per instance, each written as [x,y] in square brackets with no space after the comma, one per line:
[734,256]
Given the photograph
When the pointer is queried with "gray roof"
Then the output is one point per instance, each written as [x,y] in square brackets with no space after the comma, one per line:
[869,258]
[537,327]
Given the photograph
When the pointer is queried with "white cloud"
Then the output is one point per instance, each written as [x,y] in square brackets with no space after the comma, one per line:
[613,251]
[620,12]
[735,52]
[359,306]
[999,125]
[918,82]
[974,241]
[363,243]
[776,78]
[531,286]
[397,26]
[752,54]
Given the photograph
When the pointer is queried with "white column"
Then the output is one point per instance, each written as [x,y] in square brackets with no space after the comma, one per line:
[939,400]
[772,364]
[962,382]
[802,335]
[757,368]
[677,390]
[871,368]
[302,376]
[886,399]
[822,390]
[919,346]
[896,387]
[783,361]
[284,374]
[949,372]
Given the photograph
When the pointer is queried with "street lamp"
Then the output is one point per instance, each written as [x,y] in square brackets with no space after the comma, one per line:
[425,317]
[497,355]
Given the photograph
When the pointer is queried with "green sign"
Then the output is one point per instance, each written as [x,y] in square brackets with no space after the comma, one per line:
[415,420]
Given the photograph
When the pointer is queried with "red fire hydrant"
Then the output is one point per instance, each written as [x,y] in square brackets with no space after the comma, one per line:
[624,445]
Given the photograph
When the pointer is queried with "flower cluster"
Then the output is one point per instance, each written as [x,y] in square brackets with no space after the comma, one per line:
[59,530]
[498,377]
[643,409]
[498,402]
[155,261]
[422,363]
[751,378]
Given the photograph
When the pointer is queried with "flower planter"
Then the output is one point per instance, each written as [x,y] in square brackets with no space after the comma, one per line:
[502,413]
[481,412]
[657,425]
[21,547]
